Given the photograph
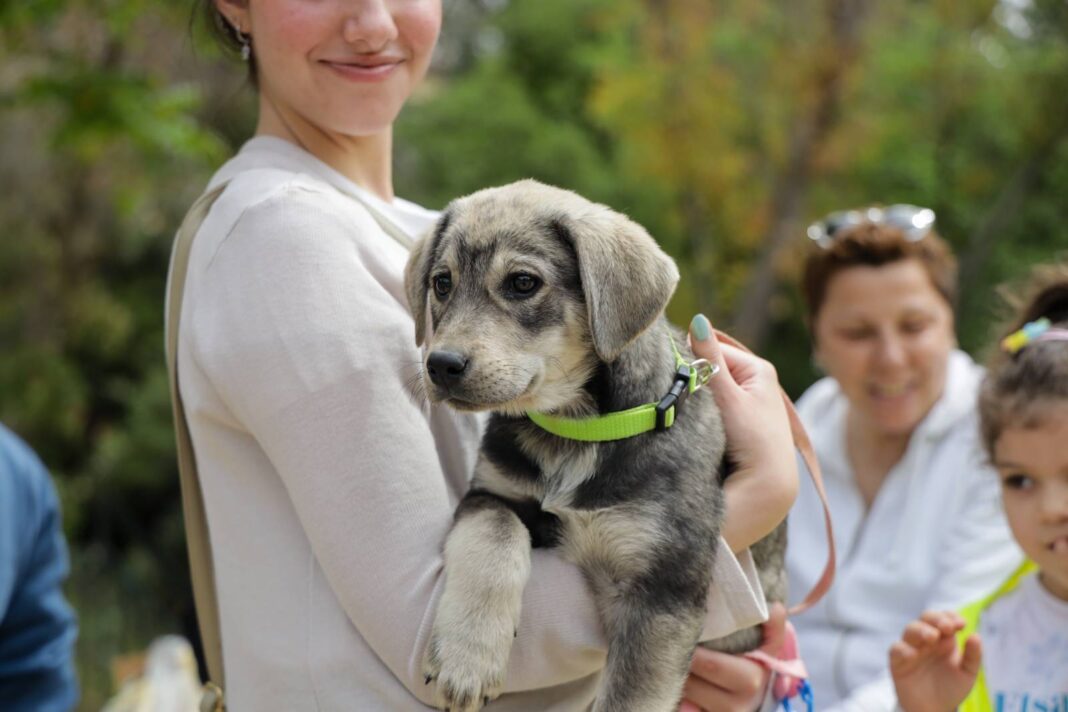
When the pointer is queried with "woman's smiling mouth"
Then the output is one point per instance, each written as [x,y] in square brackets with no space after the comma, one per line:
[887,392]
[366,69]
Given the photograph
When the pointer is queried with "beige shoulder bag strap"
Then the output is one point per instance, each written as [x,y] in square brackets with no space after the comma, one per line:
[387,225]
[196,522]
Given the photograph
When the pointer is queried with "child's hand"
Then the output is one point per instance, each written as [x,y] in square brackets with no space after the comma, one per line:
[931,673]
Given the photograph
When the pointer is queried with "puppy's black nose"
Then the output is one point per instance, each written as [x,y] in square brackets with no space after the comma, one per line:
[445,367]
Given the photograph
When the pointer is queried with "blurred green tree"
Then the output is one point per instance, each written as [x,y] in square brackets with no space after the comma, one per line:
[106,142]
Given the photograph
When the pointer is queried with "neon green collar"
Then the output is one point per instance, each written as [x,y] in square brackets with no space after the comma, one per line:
[633,421]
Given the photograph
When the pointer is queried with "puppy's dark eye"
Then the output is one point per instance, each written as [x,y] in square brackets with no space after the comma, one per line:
[523,284]
[442,285]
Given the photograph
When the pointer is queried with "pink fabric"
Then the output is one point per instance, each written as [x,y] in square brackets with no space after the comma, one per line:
[788,666]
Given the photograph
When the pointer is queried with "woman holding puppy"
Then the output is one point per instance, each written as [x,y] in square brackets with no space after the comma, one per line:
[1008,651]
[894,426]
[328,489]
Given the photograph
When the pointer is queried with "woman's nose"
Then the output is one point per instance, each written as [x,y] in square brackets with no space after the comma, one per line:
[891,350]
[369,25]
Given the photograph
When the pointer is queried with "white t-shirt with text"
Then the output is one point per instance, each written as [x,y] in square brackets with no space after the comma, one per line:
[1025,650]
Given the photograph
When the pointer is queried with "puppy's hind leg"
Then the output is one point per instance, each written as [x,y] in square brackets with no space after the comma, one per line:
[649,653]
[487,564]
[769,556]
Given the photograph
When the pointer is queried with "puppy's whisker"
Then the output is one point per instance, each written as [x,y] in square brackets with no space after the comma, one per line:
[416,389]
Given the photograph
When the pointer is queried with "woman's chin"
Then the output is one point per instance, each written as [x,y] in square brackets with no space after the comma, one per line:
[895,419]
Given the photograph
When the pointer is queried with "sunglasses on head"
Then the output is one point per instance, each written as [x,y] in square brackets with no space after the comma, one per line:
[914,221]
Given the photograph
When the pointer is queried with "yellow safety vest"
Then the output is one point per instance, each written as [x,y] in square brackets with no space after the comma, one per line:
[978,700]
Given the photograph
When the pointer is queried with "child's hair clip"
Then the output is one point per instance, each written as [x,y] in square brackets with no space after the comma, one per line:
[1030,331]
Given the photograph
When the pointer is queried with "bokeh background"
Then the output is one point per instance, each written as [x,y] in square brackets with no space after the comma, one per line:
[724,126]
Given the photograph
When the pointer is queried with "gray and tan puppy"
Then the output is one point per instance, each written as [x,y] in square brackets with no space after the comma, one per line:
[541,301]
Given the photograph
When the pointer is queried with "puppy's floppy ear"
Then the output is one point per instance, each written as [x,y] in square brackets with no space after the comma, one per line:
[627,279]
[417,274]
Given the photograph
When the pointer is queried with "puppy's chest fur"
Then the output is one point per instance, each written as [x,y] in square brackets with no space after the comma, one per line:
[615,507]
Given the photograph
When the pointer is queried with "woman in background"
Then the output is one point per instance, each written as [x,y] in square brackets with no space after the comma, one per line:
[917,519]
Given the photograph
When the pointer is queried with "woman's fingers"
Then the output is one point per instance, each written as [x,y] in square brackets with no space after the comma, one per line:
[731,674]
[744,379]
[746,367]
[741,368]
[704,344]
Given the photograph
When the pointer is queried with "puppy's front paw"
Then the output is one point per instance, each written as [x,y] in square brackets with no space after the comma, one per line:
[467,657]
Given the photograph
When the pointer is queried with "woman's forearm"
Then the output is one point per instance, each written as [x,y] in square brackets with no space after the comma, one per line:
[758,498]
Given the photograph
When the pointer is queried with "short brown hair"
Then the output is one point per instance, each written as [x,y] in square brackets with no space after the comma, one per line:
[1019,387]
[874,245]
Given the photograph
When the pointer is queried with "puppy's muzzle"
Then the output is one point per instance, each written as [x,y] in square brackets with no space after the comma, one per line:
[446,368]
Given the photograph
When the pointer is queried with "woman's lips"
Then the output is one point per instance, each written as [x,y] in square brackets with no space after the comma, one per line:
[369,70]
[886,392]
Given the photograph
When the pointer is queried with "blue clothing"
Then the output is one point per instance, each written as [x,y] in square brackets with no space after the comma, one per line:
[37,627]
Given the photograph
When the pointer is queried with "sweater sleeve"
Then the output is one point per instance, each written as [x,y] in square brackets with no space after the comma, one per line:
[301,327]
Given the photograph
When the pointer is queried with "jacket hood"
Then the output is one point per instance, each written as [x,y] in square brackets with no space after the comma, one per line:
[823,408]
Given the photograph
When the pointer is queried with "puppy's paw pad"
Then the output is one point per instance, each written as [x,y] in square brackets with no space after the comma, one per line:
[465,695]
[467,673]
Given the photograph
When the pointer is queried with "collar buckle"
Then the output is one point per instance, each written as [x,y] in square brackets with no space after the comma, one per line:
[674,398]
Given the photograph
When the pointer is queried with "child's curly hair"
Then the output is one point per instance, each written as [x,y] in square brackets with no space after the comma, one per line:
[1019,387]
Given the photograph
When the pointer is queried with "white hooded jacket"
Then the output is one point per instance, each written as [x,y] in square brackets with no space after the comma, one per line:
[934,538]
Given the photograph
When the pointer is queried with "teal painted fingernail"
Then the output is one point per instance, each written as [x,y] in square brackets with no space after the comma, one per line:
[700,327]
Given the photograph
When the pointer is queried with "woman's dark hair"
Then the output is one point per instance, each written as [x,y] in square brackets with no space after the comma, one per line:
[205,12]
[1020,387]
[875,245]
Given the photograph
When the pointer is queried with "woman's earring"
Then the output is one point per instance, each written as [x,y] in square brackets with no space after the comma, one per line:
[244,39]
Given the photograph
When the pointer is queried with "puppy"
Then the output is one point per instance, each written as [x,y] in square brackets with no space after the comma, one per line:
[539,303]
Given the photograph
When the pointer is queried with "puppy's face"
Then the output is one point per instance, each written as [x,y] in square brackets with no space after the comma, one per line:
[509,326]
[511,281]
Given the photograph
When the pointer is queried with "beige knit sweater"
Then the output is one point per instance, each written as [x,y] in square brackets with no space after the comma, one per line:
[329,489]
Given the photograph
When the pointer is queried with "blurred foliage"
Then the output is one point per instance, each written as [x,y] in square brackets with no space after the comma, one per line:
[723,126]
[107,139]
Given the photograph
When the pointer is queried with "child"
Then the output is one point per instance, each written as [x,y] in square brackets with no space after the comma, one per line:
[1022,662]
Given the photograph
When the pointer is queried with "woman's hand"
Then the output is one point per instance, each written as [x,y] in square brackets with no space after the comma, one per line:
[764,484]
[731,683]
[931,672]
